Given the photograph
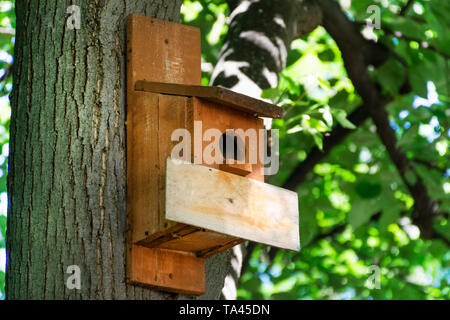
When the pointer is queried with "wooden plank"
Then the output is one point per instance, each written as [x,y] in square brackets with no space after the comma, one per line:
[156,51]
[164,51]
[143,173]
[174,233]
[239,169]
[226,203]
[198,242]
[171,116]
[219,95]
[169,270]
[215,250]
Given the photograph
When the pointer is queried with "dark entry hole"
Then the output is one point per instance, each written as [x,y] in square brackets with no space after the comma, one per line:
[231,147]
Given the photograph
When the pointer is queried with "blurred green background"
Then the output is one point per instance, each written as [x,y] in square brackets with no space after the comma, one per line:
[357,236]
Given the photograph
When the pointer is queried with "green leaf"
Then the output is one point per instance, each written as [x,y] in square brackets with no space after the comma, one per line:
[410,177]
[293,56]
[391,75]
[308,222]
[2,285]
[326,55]
[368,189]
[271,93]
[307,65]
[362,211]
[289,295]
[327,116]
[318,140]
[406,26]
[2,230]
[389,216]
[294,129]
[341,117]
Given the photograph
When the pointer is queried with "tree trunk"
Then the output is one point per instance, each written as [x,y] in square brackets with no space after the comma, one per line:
[258,40]
[67,175]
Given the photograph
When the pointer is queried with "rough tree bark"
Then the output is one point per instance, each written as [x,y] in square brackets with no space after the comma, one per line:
[258,40]
[67,176]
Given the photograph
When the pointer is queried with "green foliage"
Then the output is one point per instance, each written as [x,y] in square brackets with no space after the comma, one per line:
[210,18]
[355,210]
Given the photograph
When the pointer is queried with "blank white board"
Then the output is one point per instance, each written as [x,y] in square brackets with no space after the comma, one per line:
[227,203]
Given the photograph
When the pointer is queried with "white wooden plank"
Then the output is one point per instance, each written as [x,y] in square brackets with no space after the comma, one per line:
[230,204]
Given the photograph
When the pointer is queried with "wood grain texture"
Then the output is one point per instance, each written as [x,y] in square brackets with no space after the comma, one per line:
[203,243]
[230,204]
[170,270]
[157,50]
[142,167]
[222,96]
[171,116]
[162,51]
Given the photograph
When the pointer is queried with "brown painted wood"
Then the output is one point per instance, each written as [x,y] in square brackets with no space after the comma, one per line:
[198,241]
[171,116]
[142,166]
[214,116]
[156,51]
[201,242]
[162,51]
[170,270]
[215,250]
[239,169]
[222,96]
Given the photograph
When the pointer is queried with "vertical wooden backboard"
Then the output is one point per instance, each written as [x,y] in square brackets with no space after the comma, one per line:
[162,51]
[166,52]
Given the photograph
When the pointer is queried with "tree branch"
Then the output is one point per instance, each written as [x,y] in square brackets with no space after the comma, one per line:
[255,49]
[429,165]
[406,7]
[441,237]
[350,40]
[421,42]
[397,34]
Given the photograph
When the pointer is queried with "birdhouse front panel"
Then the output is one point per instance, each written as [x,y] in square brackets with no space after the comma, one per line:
[241,130]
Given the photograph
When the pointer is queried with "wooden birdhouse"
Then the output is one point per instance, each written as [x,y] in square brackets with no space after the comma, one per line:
[194,185]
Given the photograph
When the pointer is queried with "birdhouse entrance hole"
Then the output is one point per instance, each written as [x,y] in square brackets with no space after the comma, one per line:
[232,147]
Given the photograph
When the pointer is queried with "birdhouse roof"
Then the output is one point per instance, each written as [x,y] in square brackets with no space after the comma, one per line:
[215,94]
